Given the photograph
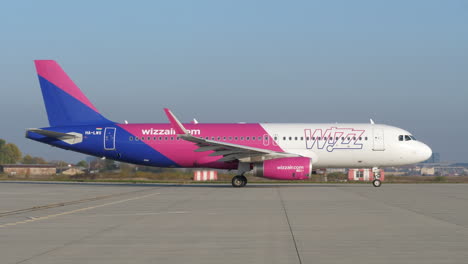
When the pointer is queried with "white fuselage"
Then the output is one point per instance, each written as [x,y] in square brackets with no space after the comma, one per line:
[349,145]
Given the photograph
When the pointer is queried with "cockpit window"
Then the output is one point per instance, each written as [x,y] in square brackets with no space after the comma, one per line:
[406,138]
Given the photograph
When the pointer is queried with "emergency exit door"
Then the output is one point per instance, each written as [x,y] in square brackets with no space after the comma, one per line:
[109,138]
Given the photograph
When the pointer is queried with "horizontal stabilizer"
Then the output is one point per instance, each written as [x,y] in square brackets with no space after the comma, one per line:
[70,138]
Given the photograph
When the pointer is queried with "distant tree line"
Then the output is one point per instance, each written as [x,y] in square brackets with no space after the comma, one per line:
[9,153]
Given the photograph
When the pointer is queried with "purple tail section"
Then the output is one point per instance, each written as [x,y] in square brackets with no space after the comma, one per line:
[65,103]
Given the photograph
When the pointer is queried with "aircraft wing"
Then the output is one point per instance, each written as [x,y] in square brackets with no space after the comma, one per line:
[229,151]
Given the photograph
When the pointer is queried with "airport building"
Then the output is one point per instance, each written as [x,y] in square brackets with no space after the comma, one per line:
[435,158]
[27,170]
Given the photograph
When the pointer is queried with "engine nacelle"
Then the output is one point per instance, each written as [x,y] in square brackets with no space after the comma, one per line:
[295,168]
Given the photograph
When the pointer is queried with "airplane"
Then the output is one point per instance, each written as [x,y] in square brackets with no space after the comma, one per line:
[269,150]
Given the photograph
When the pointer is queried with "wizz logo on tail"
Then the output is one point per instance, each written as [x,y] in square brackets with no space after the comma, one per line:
[334,138]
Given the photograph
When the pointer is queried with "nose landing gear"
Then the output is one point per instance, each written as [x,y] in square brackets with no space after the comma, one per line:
[376,182]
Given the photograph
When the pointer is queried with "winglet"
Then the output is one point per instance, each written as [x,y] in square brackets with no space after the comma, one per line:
[178,127]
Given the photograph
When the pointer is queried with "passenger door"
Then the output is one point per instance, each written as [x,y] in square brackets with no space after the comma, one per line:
[378,138]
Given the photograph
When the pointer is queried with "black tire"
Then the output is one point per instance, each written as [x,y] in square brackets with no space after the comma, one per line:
[238,181]
[245,180]
[377,183]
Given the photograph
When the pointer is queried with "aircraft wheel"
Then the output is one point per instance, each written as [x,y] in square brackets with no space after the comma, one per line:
[239,181]
[376,183]
[245,180]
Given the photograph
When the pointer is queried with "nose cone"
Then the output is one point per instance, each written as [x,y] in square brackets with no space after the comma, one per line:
[424,152]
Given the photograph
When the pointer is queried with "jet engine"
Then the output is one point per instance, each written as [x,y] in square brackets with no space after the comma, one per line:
[294,168]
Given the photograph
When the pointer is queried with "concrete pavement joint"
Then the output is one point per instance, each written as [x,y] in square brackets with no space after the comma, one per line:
[289,224]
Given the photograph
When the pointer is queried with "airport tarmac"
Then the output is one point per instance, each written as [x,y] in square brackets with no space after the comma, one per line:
[314,223]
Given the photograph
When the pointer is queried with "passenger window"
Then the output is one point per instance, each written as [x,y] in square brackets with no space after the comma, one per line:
[224,138]
[313,138]
[241,138]
[307,138]
[230,138]
[149,138]
[165,138]
[219,138]
[235,138]
[260,138]
[130,138]
[136,138]
[290,138]
[284,138]
[276,138]
[342,138]
[318,138]
[142,138]
[354,138]
[247,138]
[160,138]
[155,138]
[172,138]
[360,138]
[302,138]
[295,138]
[212,138]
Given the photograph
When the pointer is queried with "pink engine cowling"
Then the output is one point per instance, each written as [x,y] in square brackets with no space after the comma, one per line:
[297,168]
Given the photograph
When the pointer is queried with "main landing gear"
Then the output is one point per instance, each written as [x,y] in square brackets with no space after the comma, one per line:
[377,182]
[239,181]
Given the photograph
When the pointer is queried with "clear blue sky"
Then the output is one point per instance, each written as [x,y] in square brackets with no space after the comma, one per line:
[403,63]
